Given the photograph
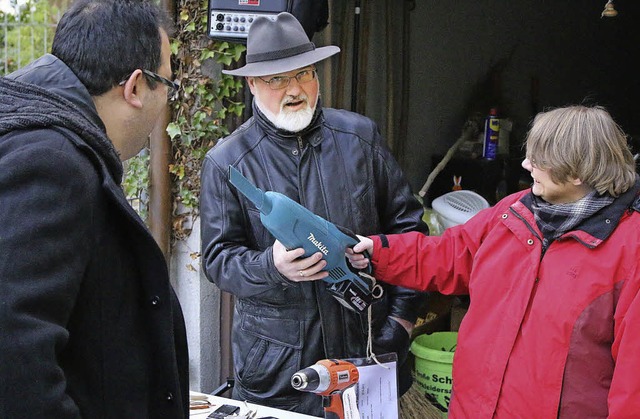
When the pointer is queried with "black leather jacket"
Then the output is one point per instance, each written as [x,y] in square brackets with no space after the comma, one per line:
[339,168]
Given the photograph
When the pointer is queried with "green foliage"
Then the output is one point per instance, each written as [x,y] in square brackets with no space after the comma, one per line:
[136,182]
[27,33]
[205,102]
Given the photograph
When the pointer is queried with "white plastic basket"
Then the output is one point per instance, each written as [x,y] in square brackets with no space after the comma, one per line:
[457,207]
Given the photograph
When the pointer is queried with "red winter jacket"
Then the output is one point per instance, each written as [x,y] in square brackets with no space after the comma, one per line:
[553,334]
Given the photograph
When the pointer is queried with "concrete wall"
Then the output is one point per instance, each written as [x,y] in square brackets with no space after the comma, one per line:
[200,301]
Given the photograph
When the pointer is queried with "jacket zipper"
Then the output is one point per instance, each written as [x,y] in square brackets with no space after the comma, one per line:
[545,243]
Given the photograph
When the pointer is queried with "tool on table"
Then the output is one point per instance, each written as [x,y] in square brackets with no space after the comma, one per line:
[198,401]
[224,411]
[328,378]
[295,226]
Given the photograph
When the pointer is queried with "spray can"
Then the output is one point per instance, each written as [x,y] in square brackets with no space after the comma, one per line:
[491,133]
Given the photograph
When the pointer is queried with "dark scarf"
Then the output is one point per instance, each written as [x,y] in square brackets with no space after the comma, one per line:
[556,219]
[28,106]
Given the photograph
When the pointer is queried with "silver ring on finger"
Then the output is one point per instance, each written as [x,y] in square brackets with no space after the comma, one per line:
[301,274]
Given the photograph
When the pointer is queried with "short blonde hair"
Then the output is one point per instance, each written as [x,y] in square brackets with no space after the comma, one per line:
[584,143]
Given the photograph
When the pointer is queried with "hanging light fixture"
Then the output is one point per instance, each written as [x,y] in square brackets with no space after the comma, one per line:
[609,10]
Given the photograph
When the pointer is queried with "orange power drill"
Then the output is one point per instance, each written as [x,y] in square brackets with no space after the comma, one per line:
[328,378]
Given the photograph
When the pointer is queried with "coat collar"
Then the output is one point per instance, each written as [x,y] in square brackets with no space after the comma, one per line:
[46,93]
[601,225]
[53,75]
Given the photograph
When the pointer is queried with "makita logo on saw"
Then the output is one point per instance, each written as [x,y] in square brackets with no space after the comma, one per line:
[317,243]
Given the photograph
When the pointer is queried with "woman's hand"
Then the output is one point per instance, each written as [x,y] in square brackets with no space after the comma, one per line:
[355,254]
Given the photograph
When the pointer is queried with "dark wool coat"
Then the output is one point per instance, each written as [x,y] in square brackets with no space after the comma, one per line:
[89,324]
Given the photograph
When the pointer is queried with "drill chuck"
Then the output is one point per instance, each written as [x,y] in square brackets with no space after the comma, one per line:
[314,379]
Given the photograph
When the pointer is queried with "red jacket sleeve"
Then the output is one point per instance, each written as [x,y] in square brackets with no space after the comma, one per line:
[435,263]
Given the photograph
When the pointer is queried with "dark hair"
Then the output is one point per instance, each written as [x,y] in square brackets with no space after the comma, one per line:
[102,41]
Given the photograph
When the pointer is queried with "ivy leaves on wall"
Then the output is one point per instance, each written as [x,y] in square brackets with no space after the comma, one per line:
[136,182]
[205,100]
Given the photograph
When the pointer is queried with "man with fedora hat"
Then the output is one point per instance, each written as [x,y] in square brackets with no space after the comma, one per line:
[334,163]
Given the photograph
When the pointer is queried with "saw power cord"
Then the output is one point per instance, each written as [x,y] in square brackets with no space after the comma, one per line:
[370,353]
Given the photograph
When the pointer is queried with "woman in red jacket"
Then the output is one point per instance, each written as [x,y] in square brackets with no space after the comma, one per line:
[553,275]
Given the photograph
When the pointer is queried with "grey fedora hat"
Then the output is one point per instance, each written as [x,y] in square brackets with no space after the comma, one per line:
[279,45]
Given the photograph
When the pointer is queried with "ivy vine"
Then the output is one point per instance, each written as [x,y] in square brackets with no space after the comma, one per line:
[136,182]
[206,101]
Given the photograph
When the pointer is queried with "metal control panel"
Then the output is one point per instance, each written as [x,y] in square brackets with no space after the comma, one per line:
[230,20]
[232,25]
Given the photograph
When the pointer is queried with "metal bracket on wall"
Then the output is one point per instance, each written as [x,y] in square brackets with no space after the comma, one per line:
[224,387]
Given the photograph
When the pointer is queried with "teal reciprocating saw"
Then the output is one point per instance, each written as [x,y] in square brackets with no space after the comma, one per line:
[295,226]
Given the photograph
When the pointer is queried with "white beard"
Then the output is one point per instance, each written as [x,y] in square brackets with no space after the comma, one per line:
[292,121]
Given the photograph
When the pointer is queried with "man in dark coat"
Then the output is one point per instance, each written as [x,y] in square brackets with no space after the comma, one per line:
[89,324]
[336,164]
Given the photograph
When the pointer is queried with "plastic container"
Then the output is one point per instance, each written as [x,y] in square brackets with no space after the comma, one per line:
[433,366]
[457,207]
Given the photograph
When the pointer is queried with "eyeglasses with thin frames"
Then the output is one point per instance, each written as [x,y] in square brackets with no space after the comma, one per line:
[538,164]
[172,85]
[281,82]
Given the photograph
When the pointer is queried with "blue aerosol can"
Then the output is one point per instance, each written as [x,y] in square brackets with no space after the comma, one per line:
[491,133]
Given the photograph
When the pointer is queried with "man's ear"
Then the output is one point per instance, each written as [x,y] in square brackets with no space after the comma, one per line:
[251,81]
[132,88]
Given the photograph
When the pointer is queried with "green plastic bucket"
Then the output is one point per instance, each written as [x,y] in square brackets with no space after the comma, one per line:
[433,363]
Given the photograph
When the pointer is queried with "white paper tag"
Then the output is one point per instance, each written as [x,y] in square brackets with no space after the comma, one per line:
[377,389]
[350,403]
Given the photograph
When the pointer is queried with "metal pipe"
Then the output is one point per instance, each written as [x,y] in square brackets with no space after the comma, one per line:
[159,179]
[355,57]
[160,183]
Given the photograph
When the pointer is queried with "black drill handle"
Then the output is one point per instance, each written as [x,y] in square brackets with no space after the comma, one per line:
[333,406]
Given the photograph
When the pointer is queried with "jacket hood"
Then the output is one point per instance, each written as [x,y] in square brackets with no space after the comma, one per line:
[47,93]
